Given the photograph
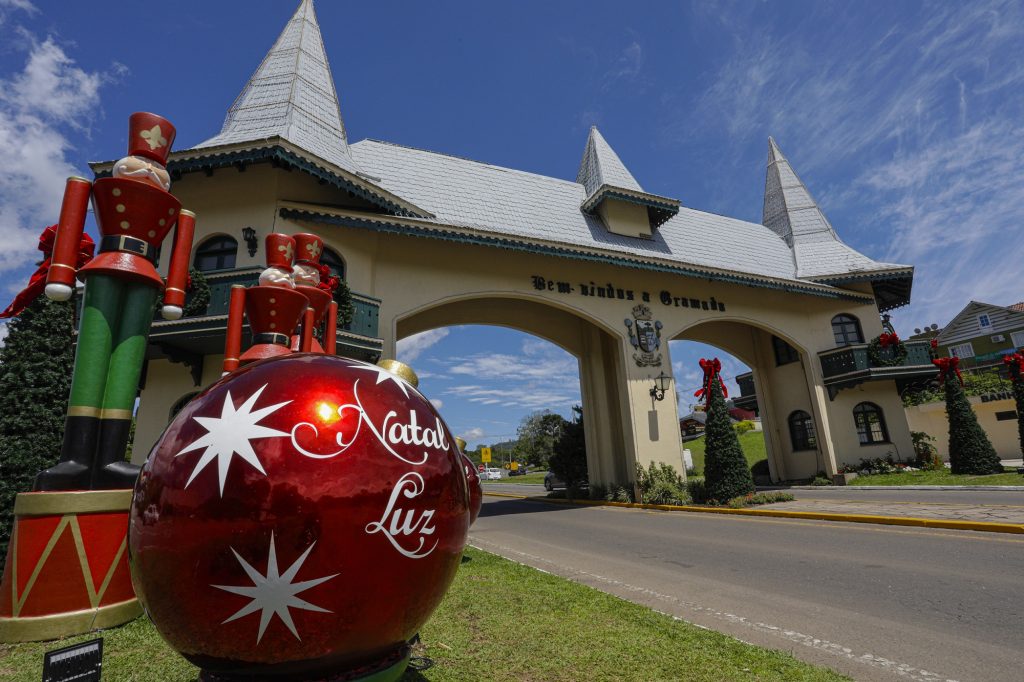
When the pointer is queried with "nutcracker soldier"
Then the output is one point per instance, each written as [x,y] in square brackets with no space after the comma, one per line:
[313,280]
[70,534]
[274,310]
[135,212]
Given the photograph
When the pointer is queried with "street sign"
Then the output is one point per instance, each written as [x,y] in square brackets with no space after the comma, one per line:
[485,454]
[515,466]
[80,662]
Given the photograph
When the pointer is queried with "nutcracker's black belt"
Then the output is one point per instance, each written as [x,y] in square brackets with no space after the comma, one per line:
[120,242]
[271,337]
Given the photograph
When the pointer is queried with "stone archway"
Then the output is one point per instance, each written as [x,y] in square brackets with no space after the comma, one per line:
[783,384]
[607,427]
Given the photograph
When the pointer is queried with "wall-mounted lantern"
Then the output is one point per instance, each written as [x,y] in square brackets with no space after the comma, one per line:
[249,235]
[661,384]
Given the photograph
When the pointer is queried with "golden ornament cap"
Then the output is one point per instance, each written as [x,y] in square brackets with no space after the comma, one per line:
[400,370]
[461,443]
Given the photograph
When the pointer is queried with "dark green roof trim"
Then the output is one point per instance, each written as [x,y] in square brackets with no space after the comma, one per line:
[528,247]
[892,289]
[658,211]
[280,156]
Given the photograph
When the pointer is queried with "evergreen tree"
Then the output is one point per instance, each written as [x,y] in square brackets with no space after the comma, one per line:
[726,474]
[1014,363]
[970,451]
[569,455]
[35,380]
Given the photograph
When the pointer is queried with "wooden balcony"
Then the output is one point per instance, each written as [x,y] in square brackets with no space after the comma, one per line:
[848,366]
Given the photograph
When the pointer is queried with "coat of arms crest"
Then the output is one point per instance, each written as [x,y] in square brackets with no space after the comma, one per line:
[645,336]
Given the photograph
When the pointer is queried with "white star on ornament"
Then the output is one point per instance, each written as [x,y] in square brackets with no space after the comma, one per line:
[230,434]
[384,375]
[274,593]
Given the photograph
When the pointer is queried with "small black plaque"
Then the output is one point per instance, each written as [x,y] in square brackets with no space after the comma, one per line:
[79,663]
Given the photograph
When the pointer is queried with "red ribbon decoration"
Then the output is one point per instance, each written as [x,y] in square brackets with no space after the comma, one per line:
[37,282]
[328,282]
[947,364]
[886,339]
[1012,360]
[712,368]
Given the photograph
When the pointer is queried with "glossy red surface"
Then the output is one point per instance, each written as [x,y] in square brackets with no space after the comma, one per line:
[345,470]
[476,491]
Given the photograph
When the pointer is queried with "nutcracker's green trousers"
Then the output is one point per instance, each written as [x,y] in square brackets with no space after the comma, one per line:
[112,338]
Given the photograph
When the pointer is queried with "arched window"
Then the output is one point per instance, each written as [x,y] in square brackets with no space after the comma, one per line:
[331,259]
[801,431]
[216,253]
[870,424]
[181,403]
[846,329]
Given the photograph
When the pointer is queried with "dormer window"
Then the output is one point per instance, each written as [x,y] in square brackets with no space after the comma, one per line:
[614,195]
[983,321]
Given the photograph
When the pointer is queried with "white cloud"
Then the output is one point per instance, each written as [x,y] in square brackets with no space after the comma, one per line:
[7,7]
[3,333]
[411,347]
[38,106]
[473,434]
[437,403]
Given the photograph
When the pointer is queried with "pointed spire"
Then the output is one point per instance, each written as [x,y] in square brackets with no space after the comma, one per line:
[789,209]
[602,166]
[291,95]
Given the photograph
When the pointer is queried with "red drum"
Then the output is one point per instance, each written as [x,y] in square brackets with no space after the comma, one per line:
[303,517]
[67,566]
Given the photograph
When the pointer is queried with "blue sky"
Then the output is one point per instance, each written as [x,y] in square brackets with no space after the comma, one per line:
[904,119]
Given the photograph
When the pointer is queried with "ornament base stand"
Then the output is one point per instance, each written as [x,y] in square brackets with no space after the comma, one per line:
[388,670]
[67,566]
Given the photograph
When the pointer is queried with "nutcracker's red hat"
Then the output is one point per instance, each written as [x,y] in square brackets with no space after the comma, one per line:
[280,251]
[150,136]
[308,248]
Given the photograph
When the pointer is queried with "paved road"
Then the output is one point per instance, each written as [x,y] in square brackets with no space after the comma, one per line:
[829,493]
[875,602]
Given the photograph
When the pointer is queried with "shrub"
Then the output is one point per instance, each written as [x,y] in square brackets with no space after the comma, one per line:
[698,492]
[619,493]
[569,455]
[743,426]
[970,451]
[927,455]
[726,472]
[753,499]
[661,484]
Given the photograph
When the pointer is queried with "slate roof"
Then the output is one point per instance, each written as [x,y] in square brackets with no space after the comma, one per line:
[792,213]
[504,201]
[602,166]
[291,95]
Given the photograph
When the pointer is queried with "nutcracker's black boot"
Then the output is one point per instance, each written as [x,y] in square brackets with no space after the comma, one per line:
[111,471]
[77,454]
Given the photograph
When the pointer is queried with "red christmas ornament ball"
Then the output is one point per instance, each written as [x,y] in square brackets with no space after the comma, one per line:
[303,516]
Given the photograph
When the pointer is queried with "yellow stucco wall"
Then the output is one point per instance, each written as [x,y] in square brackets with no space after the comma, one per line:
[931,418]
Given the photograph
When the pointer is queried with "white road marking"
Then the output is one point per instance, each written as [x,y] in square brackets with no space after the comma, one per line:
[902,669]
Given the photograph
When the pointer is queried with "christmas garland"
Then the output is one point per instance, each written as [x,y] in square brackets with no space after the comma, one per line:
[897,351]
[197,295]
[343,296]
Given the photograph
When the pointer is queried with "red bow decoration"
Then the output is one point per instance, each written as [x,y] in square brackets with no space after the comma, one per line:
[712,368]
[1015,360]
[947,364]
[886,339]
[328,282]
[37,282]
[934,343]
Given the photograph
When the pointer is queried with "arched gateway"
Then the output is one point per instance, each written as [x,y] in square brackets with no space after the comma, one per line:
[597,265]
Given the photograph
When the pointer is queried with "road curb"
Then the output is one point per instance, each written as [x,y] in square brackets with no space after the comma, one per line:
[923,488]
[980,526]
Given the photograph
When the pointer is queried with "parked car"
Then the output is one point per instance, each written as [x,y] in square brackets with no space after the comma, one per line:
[491,474]
[553,482]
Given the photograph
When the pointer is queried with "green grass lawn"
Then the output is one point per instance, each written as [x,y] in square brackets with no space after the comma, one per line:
[943,477]
[500,621]
[532,477]
[752,443]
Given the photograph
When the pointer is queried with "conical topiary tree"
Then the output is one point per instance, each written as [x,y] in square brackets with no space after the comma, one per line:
[35,380]
[1015,363]
[726,474]
[970,451]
